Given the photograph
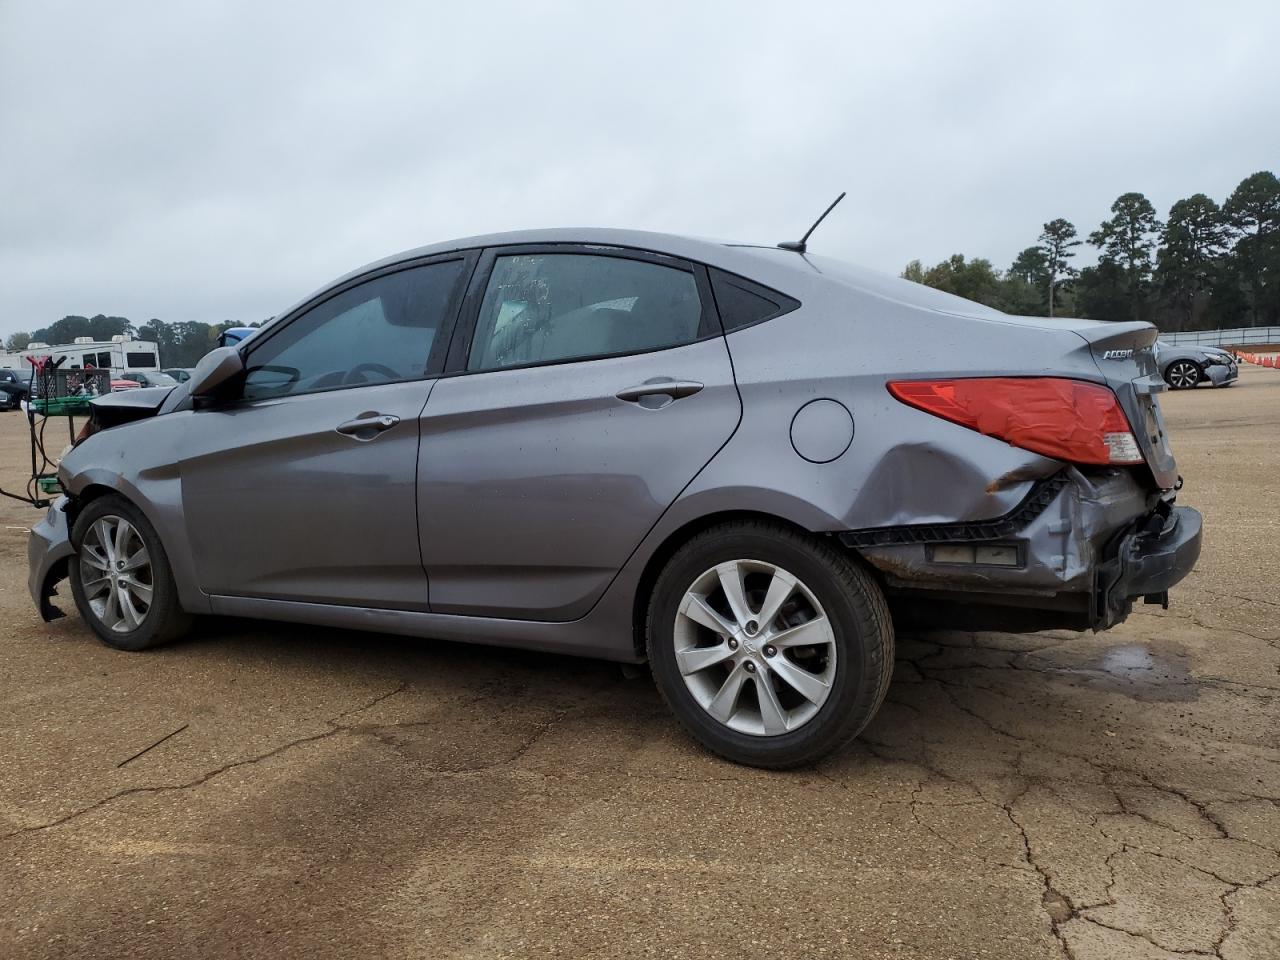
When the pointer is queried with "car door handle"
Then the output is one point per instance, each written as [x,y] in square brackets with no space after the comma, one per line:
[659,386]
[368,425]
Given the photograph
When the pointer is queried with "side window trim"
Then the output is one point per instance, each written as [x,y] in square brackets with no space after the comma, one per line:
[462,340]
[435,359]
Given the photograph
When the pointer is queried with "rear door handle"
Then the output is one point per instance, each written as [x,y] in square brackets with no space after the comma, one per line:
[368,425]
[659,387]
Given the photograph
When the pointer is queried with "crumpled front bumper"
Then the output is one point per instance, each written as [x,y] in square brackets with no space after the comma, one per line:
[1220,374]
[48,549]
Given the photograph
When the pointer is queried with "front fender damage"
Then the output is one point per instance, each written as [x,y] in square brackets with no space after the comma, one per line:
[49,552]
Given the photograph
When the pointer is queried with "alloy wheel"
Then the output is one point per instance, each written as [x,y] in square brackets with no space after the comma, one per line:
[1184,374]
[116,574]
[755,647]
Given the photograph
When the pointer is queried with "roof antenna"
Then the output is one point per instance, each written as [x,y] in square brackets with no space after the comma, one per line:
[799,246]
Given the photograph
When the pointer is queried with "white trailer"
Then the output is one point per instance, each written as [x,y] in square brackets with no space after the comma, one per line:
[118,354]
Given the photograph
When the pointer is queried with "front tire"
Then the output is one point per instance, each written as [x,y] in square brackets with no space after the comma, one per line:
[771,647]
[1183,374]
[120,577]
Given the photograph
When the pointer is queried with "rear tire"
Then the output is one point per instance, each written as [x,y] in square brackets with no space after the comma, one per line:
[120,577]
[779,687]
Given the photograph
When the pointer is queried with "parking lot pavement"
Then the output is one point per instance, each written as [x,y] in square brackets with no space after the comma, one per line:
[340,794]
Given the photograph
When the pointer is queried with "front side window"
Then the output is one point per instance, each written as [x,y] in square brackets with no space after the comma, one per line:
[381,331]
[542,308]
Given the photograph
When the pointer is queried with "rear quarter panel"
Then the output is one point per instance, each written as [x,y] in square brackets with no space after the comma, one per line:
[903,465]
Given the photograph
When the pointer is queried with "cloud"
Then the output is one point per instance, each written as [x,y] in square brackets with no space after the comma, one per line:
[219,161]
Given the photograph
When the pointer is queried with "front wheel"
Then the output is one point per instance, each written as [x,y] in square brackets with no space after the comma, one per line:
[1183,374]
[120,577]
[771,647]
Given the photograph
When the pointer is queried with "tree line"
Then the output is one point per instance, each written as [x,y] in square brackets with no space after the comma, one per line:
[1205,266]
[180,344]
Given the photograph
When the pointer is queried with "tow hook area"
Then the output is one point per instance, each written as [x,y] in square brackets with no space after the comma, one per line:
[1145,560]
[48,554]
[49,589]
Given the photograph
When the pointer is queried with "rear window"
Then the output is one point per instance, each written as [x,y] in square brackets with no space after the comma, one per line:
[742,302]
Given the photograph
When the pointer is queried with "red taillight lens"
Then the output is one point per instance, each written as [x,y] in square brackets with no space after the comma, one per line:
[1065,419]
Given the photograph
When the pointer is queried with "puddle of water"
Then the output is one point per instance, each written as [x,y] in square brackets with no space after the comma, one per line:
[1134,670]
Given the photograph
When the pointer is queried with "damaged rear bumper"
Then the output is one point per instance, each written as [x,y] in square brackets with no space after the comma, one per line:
[1074,554]
[1148,559]
[48,550]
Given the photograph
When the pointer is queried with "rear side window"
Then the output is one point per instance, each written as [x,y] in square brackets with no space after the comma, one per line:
[742,302]
[543,308]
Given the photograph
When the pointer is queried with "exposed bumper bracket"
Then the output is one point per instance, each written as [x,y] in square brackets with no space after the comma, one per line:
[1147,559]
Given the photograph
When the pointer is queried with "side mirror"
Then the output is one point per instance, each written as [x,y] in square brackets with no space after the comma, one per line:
[214,369]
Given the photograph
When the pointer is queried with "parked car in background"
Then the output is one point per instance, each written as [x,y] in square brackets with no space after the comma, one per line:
[740,463]
[1184,367]
[149,378]
[233,335]
[179,374]
[119,383]
[13,390]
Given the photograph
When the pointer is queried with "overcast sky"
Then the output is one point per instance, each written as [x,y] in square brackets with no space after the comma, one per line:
[218,161]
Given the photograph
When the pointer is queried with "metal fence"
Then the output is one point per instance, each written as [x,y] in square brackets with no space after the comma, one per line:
[1239,337]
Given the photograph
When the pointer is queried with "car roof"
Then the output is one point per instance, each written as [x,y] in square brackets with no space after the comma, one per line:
[789,272]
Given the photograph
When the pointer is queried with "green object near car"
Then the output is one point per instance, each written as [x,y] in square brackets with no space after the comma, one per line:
[61,406]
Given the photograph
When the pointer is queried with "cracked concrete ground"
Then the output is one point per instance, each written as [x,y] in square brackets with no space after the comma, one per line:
[333,794]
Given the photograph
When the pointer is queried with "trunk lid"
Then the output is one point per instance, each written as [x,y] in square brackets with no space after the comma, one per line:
[1125,356]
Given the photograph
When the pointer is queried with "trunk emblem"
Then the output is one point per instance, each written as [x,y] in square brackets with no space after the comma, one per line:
[1117,354]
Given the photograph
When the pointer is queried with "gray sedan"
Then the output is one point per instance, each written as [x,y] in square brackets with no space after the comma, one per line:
[1189,366]
[746,465]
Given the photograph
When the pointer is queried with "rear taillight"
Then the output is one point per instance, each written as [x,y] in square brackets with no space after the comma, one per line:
[1065,419]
